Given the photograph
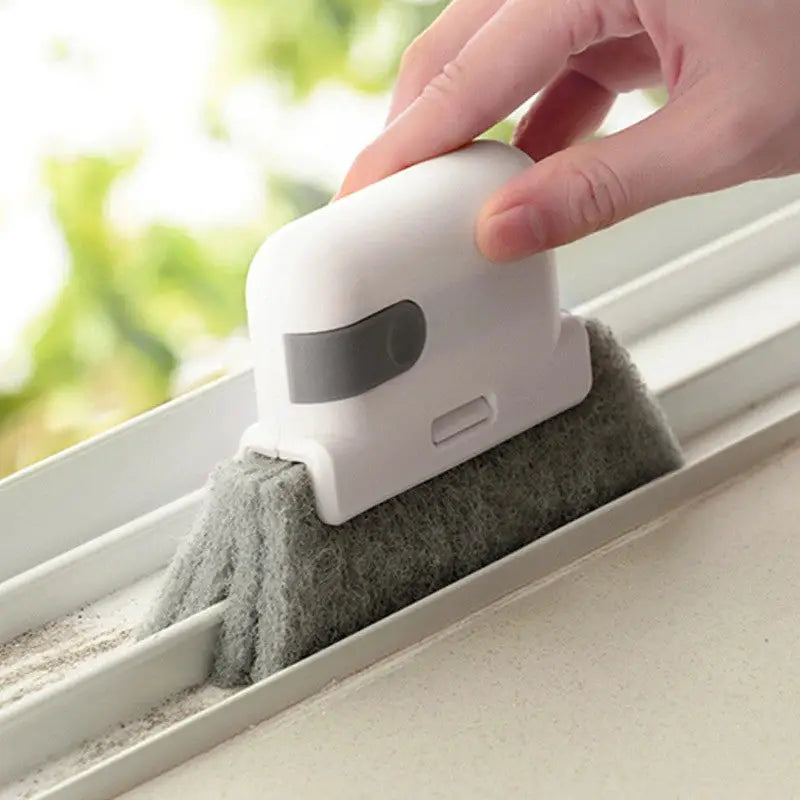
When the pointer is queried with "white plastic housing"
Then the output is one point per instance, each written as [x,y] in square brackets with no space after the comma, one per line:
[499,356]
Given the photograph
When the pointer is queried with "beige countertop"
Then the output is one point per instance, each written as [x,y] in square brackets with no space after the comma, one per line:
[665,666]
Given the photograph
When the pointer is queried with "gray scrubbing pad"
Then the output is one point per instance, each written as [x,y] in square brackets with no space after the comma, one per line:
[295,585]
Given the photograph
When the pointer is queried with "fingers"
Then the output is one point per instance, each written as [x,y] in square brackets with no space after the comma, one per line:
[519,50]
[621,65]
[440,43]
[570,108]
[575,104]
[593,185]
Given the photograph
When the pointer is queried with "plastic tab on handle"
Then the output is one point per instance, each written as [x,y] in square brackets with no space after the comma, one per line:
[348,361]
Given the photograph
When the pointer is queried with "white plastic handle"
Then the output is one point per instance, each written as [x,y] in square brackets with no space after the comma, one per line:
[496,355]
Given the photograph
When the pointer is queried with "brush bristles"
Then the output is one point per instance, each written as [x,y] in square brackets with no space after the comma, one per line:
[295,585]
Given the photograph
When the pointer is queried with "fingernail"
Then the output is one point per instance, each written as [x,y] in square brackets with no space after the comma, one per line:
[512,234]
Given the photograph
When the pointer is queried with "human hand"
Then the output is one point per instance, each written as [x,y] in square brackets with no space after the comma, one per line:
[731,68]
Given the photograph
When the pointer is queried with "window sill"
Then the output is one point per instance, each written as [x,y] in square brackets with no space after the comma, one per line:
[677,643]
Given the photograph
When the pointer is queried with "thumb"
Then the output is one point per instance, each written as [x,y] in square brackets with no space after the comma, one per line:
[593,185]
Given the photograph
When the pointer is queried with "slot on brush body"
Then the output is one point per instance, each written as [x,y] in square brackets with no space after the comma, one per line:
[461,420]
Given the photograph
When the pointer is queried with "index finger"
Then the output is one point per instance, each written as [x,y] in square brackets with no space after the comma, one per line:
[517,52]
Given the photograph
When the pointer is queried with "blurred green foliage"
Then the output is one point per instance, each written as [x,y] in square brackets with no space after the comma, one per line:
[111,343]
[108,347]
[308,41]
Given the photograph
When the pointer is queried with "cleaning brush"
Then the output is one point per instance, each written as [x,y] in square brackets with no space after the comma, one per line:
[422,413]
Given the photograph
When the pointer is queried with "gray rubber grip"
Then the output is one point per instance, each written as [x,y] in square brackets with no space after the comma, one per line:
[348,361]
